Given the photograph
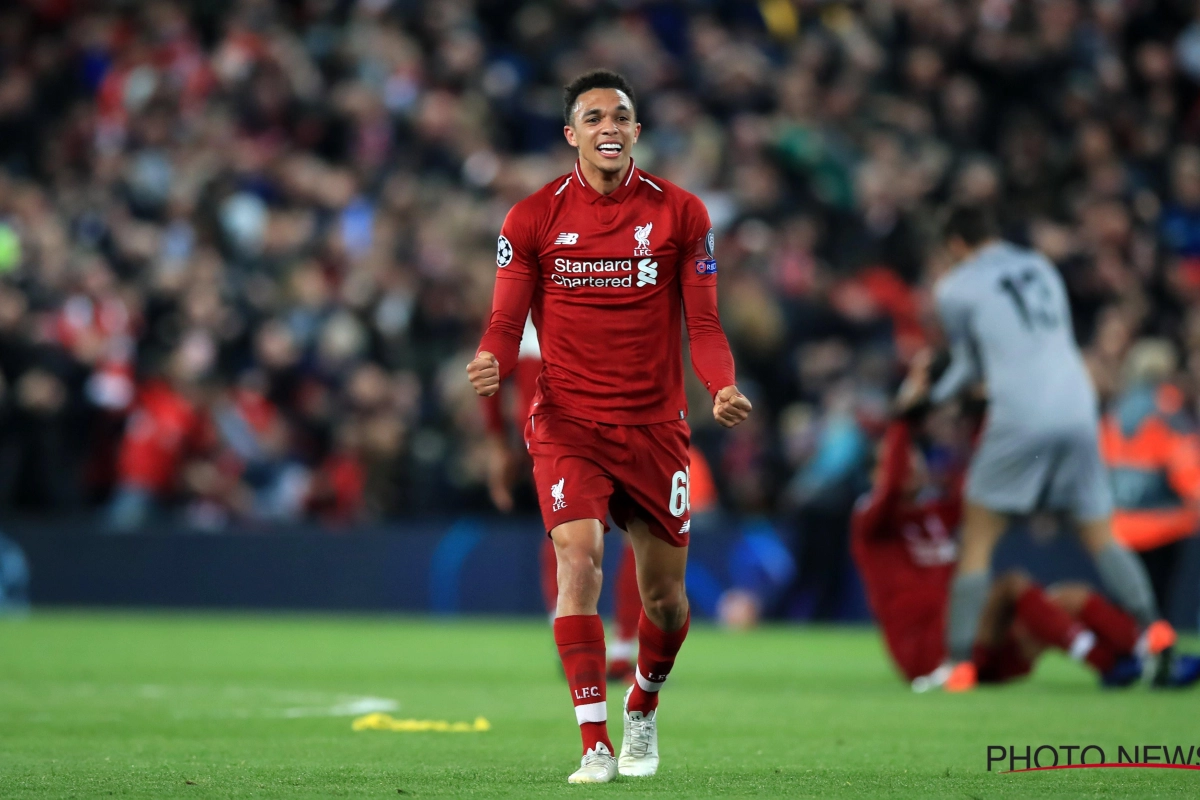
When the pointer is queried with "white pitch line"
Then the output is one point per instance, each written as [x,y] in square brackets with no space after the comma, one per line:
[350,708]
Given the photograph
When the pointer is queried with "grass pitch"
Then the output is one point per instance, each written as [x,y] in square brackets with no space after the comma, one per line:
[180,705]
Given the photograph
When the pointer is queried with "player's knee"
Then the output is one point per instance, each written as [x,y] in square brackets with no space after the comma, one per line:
[579,560]
[982,528]
[578,548]
[666,604]
[1096,535]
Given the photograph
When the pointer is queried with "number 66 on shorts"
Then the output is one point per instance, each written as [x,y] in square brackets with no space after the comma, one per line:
[681,495]
[589,470]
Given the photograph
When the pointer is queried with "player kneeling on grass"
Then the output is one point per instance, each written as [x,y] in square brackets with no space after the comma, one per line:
[903,543]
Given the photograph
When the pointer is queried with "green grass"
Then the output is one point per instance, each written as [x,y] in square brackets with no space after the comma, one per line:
[167,705]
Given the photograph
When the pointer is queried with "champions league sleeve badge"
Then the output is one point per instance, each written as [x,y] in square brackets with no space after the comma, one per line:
[504,252]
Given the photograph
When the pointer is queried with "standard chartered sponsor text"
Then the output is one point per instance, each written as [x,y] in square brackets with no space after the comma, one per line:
[592,280]
[600,265]
[566,265]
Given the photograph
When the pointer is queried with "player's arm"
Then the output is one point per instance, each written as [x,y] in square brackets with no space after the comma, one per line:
[974,410]
[964,362]
[497,354]
[516,261]
[711,357]
[501,464]
[875,511]
[873,515]
[952,504]
[493,415]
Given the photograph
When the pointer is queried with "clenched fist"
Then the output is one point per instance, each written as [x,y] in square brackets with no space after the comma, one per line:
[730,407]
[484,374]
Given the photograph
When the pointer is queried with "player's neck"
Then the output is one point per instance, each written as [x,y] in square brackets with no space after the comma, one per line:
[979,248]
[603,182]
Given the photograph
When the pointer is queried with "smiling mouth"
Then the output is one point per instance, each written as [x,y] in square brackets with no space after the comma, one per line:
[610,149]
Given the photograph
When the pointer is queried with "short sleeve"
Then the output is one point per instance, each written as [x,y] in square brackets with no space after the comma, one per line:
[954,314]
[516,247]
[964,369]
[698,244]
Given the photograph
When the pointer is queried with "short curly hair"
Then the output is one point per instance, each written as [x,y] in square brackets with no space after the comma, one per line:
[596,79]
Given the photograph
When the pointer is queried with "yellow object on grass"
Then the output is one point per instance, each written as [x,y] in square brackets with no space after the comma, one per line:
[386,722]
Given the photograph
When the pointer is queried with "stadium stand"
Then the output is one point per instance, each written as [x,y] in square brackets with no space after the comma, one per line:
[246,246]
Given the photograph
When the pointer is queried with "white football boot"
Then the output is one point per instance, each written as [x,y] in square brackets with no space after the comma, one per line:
[639,747]
[597,766]
[934,680]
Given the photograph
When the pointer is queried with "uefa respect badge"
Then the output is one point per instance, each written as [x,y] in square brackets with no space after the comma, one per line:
[706,266]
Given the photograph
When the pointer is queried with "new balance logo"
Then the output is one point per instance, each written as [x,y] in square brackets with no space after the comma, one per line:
[556,491]
[647,272]
[567,238]
[686,526]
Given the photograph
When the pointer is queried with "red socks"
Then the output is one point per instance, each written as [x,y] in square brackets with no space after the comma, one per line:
[656,655]
[1111,624]
[627,608]
[1102,656]
[580,641]
[627,601]
[1100,636]
[1045,620]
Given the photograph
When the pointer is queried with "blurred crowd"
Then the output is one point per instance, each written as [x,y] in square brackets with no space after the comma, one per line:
[246,246]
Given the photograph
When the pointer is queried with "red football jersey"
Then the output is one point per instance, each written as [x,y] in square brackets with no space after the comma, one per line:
[606,277]
[906,555]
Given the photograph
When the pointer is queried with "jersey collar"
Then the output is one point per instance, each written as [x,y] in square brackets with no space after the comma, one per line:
[626,188]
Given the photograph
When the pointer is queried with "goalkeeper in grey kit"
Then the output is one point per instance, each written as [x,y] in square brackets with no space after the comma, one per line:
[1007,318]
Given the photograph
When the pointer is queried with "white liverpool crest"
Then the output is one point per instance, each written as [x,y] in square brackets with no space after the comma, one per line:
[641,234]
[556,491]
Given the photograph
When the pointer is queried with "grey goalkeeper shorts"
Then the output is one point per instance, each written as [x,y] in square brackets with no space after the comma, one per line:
[1015,472]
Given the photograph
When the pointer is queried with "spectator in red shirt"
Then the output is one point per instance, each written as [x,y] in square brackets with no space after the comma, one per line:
[169,423]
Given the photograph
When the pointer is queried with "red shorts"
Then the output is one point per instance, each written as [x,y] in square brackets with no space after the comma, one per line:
[1001,663]
[587,470]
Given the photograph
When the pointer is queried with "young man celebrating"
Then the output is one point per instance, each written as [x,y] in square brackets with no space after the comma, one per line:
[606,256]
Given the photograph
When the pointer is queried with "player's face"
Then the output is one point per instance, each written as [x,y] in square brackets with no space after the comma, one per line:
[603,128]
[957,249]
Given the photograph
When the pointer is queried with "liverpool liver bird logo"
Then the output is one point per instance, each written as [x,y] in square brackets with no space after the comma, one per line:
[641,234]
